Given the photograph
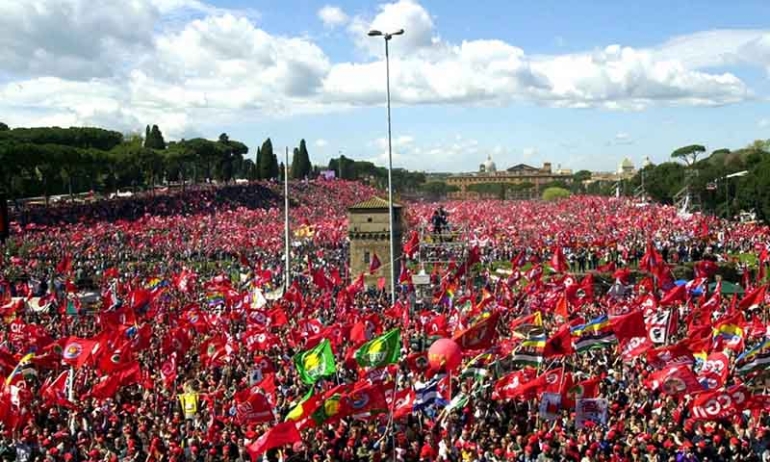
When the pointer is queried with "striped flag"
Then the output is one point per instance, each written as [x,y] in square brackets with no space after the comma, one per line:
[530,351]
[429,395]
[478,367]
[756,359]
[595,334]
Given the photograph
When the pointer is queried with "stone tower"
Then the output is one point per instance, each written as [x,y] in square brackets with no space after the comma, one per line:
[369,233]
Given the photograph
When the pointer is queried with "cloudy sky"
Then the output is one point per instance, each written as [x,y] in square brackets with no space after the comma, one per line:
[582,84]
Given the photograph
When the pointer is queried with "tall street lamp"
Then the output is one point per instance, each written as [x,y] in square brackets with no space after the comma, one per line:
[387,37]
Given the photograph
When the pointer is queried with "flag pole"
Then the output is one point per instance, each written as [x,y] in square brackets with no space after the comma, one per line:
[287,270]
[71,396]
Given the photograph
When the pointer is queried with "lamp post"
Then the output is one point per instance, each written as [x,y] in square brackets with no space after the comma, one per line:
[387,37]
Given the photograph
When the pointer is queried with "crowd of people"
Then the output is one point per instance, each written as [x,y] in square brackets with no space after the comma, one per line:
[158,328]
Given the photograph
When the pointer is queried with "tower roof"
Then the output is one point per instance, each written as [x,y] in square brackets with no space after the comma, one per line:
[373,203]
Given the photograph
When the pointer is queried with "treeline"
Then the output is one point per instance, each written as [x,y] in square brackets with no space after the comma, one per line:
[403,180]
[52,161]
[723,182]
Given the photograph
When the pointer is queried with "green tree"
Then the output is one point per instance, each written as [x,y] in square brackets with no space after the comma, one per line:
[281,171]
[688,154]
[258,162]
[4,127]
[294,171]
[266,161]
[305,165]
[155,139]
[555,193]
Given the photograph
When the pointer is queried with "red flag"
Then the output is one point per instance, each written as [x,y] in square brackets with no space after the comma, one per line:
[673,296]
[753,299]
[252,407]
[629,325]
[374,264]
[720,404]
[479,336]
[676,379]
[77,351]
[404,403]
[515,384]
[560,343]
[412,244]
[364,397]
[558,261]
[562,307]
[714,372]
[282,434]
[418,362]
[65,265]
[168,371]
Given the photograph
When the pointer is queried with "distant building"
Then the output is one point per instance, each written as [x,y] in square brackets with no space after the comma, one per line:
[369,233]
[515,175]
[625,171]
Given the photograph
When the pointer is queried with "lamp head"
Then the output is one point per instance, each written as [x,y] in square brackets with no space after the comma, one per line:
[374,33]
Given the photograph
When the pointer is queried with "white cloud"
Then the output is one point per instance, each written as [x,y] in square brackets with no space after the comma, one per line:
[332,16]
[621,138]
[529,153]
[764,123]
[321,143]
[187,64]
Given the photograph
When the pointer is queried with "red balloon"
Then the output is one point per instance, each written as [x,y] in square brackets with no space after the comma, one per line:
[445,354]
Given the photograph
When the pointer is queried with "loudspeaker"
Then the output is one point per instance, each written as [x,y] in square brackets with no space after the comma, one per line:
[4,218]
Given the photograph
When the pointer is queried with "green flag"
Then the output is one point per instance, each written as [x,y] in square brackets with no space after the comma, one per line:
[380,351]
[328,409]
[315,363]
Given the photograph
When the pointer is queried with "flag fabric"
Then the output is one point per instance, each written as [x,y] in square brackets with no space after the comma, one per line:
[719,404]
[404,404]
[77,351]
[713,373]
[305,407]
[478,367]
[428,394]
[479,336]
[595,334]
[459,401]
[282,434]
[586,389]
[676,380]
[590,410]
[559,344]
[530,351]
[364,398]
[524,326]
[22,369]
[374,264]
[251,406]
[754,360]
[659,325]
[315,363]
[380,351]
[753,299]
[511,386]
[629,325]
[728,333]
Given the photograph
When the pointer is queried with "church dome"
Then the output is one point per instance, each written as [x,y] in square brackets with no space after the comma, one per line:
[489,165]
[647,162]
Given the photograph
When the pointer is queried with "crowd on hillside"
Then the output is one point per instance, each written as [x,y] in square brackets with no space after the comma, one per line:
[157,329]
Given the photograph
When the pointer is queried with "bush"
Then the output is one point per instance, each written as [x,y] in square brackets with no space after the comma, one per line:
[555,193]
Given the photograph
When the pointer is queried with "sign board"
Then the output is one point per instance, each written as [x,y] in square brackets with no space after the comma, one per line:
[421,279]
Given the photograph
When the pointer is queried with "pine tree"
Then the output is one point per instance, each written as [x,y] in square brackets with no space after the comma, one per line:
[266,161]
[281,171]
[153,138]
[304,158]
[294,172]
[257,173]
[274,166]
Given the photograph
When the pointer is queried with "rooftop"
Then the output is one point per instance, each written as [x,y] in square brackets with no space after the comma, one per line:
[372,204]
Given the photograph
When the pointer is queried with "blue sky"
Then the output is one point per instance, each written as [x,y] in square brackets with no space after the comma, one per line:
[580,84]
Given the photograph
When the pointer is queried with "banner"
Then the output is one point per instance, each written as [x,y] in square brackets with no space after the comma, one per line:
[550,405]
[591,409]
